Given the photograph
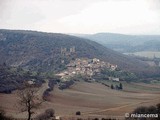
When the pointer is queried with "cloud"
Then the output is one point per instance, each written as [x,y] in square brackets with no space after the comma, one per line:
[2,2]
[155,4]
[3,5]
[82,16]
[115,16]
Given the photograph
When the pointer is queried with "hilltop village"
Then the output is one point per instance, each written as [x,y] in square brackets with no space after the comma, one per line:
[85,66]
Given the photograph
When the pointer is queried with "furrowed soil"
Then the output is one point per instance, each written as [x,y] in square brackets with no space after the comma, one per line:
[91,99]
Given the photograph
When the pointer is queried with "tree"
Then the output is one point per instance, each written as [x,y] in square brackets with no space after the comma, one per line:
[112,87]
[28,99]
[120,86]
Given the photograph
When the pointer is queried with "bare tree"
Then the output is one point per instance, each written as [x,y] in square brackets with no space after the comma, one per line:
[29,100]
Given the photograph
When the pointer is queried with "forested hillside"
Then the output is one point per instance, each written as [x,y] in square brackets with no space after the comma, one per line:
[38,51]
[12,78]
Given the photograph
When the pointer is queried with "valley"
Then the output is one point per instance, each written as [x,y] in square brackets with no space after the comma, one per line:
[76,77]
[79,60]
[124,43]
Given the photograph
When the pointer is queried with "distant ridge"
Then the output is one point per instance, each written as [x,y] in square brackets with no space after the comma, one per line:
[126,43]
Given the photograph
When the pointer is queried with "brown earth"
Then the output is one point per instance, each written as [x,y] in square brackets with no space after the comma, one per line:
[92,99]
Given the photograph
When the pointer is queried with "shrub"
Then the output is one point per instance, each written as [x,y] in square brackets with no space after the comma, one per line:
[140,110]
[50,112]
[96,119]
[2,114]
[158,108]
[146,110]
[78,113]
[112,87]
[79,119]
[104,119]
[42,116]
[46,115]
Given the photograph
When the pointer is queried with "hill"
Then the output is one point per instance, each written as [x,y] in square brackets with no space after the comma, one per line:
[12,78]
[38,51]
[126,43]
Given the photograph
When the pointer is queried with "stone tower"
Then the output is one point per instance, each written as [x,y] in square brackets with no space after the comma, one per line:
[72,49]
[63,51]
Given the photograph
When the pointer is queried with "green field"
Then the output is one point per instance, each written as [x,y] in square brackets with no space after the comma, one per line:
[154,86]
[149,54]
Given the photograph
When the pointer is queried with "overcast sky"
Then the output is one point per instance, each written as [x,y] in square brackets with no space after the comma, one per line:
[82,16]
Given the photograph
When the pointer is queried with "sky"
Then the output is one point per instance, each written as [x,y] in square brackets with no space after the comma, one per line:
[82,16]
